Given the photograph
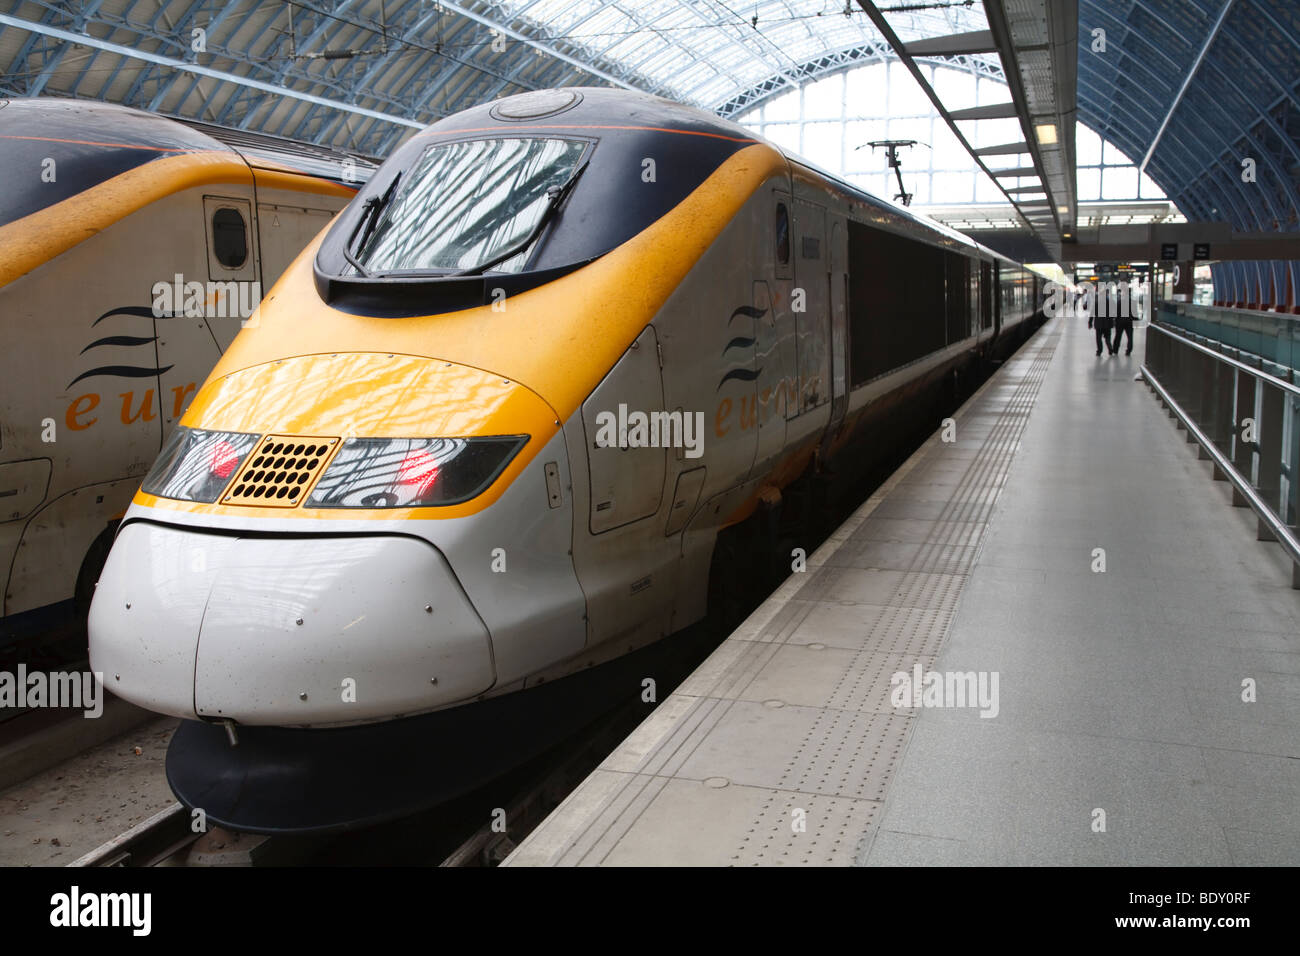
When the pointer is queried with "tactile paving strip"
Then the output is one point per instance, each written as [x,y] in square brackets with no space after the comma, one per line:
[831,834]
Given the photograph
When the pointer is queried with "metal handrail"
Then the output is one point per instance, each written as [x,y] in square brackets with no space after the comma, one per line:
[1271,521]
[1258,373]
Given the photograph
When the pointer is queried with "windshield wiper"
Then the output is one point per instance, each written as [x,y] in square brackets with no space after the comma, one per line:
[555,197]
[369,219]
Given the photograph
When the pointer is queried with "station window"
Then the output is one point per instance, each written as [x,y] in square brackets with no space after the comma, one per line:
[782,234]
[229,237]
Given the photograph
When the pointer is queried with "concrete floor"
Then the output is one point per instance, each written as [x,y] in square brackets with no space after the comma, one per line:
[56,816]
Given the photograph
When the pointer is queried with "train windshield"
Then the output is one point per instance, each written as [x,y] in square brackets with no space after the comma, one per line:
[468,206]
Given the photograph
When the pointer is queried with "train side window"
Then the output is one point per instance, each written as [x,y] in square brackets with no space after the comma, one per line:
[229,237]
[782,234]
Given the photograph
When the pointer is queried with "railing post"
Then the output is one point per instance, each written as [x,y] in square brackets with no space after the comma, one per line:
[1292,516]
[1244,457]
[1209,404]
[1269,482]
[1223,386]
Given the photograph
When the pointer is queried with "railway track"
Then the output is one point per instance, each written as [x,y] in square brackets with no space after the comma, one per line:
[151,842]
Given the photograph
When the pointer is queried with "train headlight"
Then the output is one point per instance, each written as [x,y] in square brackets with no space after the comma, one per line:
[412,472]
[196,465]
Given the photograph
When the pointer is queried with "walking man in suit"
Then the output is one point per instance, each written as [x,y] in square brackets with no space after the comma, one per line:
[1102,324]
[1123,324]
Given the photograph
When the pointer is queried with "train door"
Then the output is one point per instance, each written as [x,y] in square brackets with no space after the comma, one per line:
[283,232]
[191,337]
[625,561]
[837,279]
[810,302]
[997,298]
[780,252]
[232,240]
[775,338]
[627,470]
[987,296]
[234,267]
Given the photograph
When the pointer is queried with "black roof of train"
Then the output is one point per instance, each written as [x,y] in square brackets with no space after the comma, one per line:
[322,161]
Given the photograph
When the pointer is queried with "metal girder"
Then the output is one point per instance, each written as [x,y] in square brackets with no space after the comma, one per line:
[621,9]
[432,80]
[455,62]
[1182,152]
[977,41]
[1221,173]
[780,83]
[1007,149]
[1245,248]
[137,83]
[586,62]
[79,25]
[534,43]
[510,78]
[383,64]
[1044,108]
[988,111]
[20,62]
[193,68]
[1187,81]
[837,62]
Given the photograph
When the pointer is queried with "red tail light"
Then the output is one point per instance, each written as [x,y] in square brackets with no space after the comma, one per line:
[419,469]
[224,459]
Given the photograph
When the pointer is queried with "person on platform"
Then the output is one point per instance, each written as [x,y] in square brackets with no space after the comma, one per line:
[1123,324]
[1101,324]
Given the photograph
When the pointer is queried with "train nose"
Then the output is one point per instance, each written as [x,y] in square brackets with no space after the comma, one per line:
[291,631]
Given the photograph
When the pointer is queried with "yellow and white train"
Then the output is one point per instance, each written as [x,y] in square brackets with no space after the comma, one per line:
[454,459]
[133,246]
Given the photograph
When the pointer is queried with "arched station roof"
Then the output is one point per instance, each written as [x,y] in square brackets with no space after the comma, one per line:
[1192,87]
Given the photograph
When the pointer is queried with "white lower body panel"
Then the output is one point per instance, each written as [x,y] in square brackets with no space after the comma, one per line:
[287,631]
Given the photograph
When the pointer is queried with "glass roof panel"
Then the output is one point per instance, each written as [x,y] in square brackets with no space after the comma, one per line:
[748,43]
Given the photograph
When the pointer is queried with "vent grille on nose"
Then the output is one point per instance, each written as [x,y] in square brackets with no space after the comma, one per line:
[280,471]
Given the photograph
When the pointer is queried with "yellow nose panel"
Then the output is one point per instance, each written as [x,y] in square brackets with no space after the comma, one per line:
[366,395]
[355,395]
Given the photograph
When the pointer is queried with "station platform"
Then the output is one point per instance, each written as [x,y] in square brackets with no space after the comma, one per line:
[1118,734]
